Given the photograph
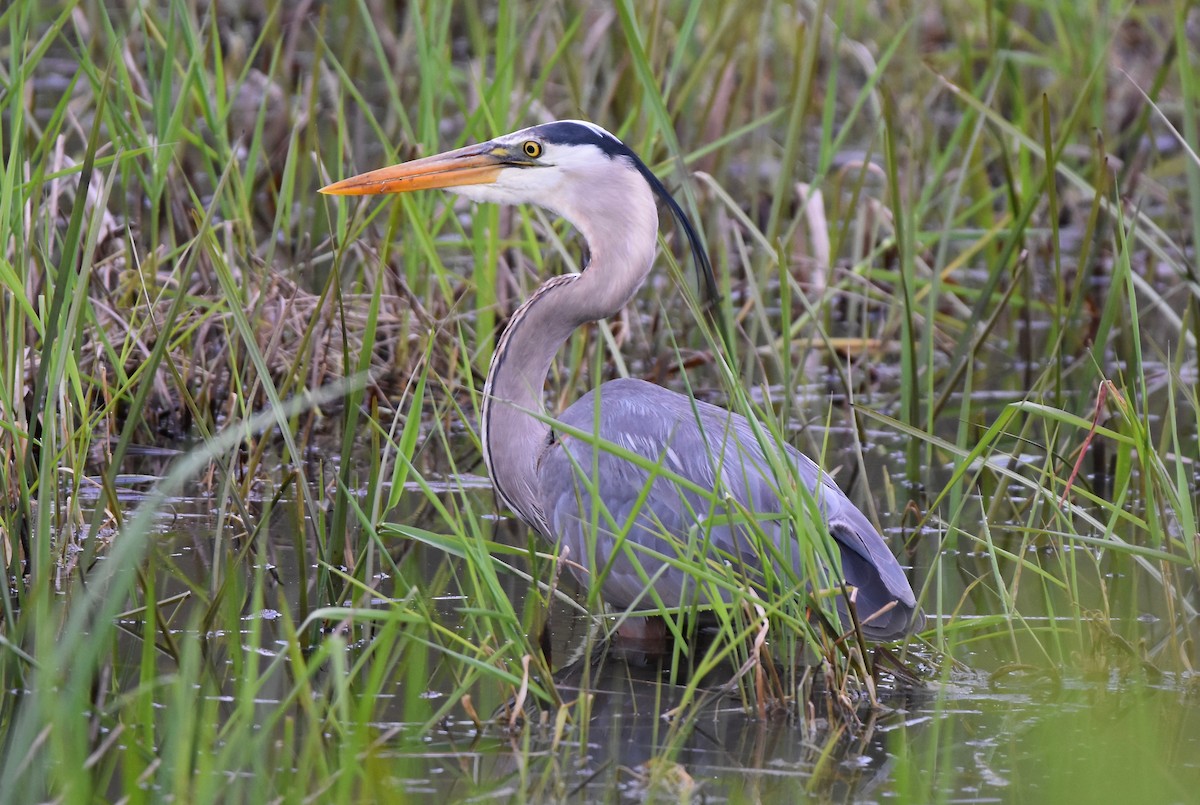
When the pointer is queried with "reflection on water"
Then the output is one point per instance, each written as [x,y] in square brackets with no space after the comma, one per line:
[720,750]
[967,739]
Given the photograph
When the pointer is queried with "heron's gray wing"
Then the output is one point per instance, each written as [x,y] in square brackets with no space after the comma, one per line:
[719,454]
[627,521]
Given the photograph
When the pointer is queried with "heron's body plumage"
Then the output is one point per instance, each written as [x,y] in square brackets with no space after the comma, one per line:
[730,480]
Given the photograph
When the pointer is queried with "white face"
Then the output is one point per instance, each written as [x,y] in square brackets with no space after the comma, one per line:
[595,191]
[558,170]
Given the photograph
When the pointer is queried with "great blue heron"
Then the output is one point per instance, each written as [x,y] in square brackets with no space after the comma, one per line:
[571,478]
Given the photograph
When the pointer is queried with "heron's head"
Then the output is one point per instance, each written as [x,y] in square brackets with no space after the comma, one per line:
[561,166]
[573,168]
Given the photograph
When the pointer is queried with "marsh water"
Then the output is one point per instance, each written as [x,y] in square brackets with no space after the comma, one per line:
[1006,718]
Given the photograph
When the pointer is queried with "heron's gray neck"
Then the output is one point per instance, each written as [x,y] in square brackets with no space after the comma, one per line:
[513,435]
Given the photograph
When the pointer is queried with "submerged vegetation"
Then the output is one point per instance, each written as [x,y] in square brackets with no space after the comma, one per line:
[957,254]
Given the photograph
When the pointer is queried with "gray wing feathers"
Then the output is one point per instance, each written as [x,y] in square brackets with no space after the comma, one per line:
[714,450]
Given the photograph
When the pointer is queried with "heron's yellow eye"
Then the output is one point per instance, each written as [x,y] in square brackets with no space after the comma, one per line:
[532,149]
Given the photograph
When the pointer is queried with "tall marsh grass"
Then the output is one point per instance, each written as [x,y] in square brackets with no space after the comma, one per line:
[957,250]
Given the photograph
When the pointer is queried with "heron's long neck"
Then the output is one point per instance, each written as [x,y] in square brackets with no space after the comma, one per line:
[513,435]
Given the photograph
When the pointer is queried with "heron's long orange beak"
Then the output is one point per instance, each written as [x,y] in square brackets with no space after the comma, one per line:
[475,164]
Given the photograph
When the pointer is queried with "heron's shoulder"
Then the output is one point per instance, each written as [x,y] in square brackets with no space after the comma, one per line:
[646,402]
